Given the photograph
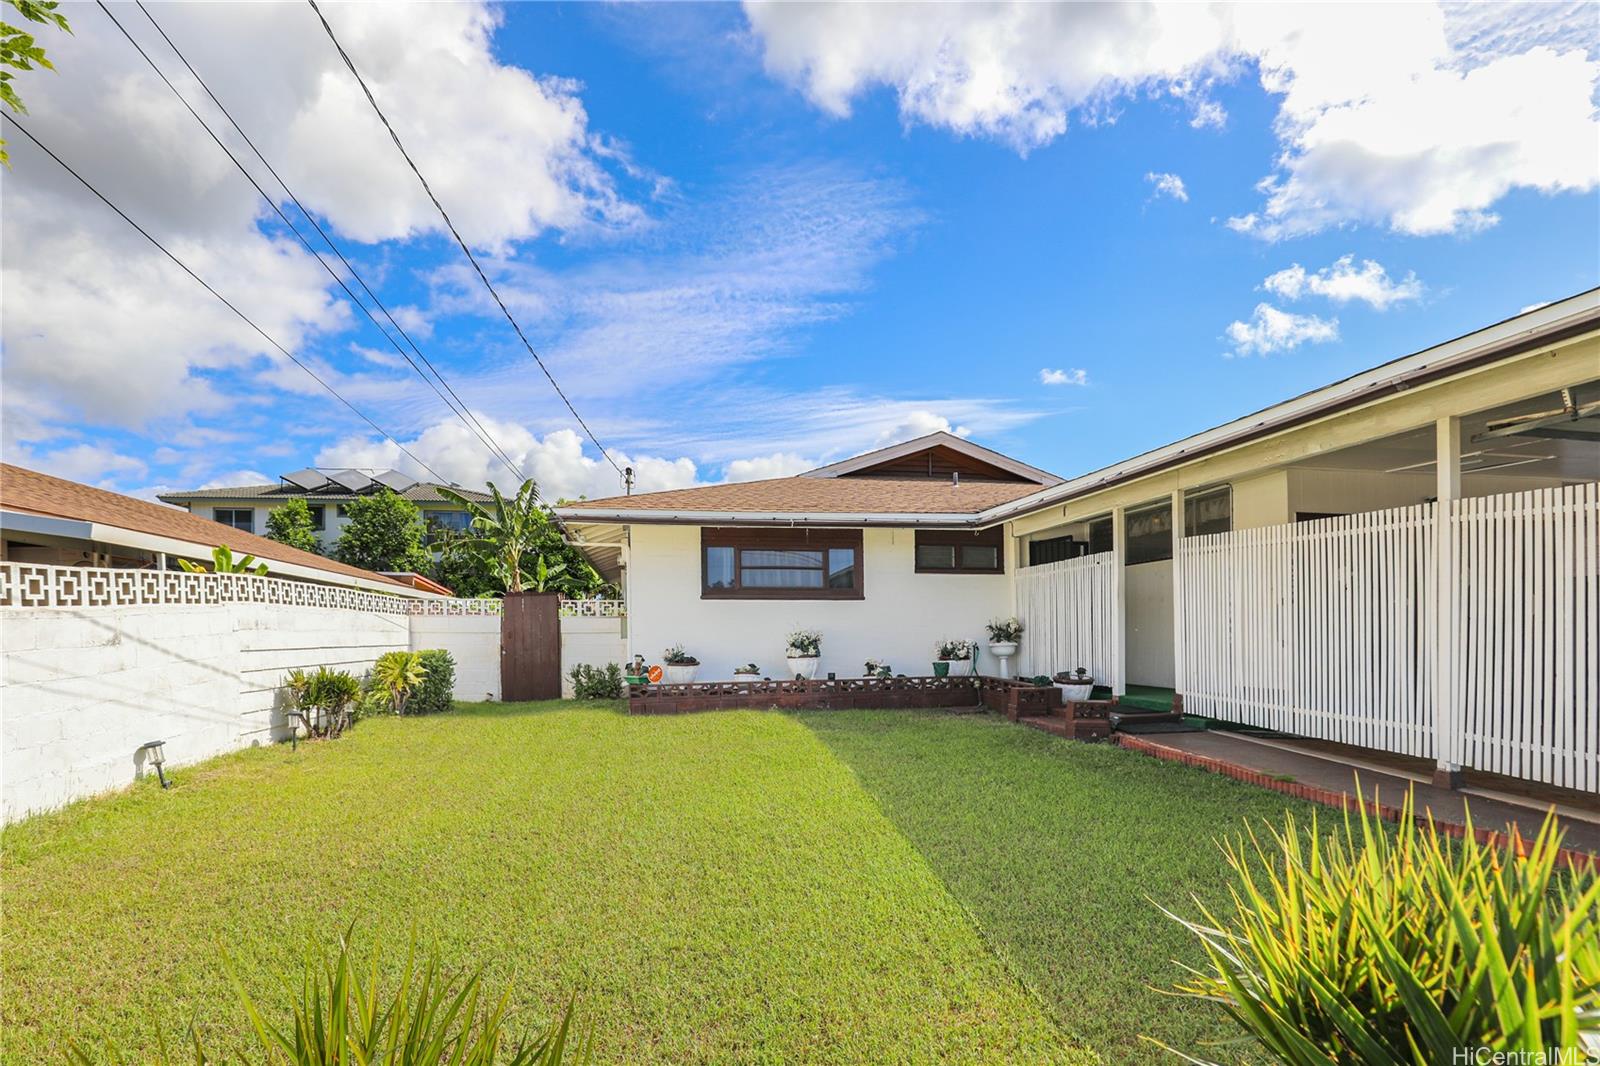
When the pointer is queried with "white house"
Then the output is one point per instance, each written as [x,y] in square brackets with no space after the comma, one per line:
[1407,559]
[327,493]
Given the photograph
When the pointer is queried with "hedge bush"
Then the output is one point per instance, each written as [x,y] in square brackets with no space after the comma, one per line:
[437,690]
[593,683]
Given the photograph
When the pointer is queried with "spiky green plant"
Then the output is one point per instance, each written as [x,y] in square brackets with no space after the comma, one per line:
[1379,946]
[340,1018]
[397,674]
[223,562]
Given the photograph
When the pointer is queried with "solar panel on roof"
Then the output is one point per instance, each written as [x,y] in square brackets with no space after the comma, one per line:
[308,479]
[354,480]
[394,479]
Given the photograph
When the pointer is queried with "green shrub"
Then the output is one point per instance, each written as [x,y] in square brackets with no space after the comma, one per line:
[321,699]
[436,692]
[1377,948]
[340,1016]
[593,683]
[397,675]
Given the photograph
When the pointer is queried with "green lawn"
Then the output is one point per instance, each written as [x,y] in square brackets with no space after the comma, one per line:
[738,886]
[1057,848]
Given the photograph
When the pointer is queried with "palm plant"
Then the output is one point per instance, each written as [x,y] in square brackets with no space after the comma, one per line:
[397,674]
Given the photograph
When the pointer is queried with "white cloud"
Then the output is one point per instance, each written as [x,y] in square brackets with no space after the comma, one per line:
[1075,376]
[555,461]
[1010,71]
[239,477]
[1343,281]
[913,424]
[778,464]
[87,299]
[89,464]
[1168,185]
[1271,330]
[1208,114]
[1445,113]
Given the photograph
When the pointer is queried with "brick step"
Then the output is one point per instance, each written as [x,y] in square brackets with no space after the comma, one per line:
[1074,729]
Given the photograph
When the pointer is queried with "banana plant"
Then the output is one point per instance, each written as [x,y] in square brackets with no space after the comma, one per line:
[223,562]
[507,530]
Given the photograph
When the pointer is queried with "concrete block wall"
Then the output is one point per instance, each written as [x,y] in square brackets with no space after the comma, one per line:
[82,688]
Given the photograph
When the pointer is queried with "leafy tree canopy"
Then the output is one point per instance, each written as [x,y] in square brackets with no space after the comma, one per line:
[18,51]
[290,523]
[383,532]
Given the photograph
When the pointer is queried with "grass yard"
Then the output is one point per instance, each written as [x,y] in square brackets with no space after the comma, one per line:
[718,887]
[1057,848]
[830,886]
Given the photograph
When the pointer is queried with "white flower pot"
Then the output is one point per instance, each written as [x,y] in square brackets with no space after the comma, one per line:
[680,675]
[960,667]
[803,665]
[1076,692]
[1003,649]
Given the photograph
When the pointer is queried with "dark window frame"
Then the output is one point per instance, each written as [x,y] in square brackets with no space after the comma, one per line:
[993,537]
[319,516]
[797,540]
[1192,502]
[233,523]
[1139,555]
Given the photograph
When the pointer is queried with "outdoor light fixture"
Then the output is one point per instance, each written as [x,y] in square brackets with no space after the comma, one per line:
[155,752]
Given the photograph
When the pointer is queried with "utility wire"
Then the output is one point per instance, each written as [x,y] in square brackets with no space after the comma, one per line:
[495,451]
[457,235]
[224,300]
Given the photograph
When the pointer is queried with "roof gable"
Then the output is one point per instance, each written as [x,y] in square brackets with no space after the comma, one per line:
[936,456]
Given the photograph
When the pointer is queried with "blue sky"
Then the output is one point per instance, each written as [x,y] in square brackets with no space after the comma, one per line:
[752,240]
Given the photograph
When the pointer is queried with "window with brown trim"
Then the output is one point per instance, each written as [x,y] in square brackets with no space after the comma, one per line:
[955,551]
[780,564]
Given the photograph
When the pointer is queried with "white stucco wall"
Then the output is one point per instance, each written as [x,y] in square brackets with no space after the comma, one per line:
[900,618]
[473,640]
[81,689]
[595,641]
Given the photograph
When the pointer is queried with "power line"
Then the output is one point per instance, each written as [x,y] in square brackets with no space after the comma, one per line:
[395,137]
[224,300]
[494,450]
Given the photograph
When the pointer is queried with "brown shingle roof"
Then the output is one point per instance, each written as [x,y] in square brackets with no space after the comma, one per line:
[29,490]
[809,495]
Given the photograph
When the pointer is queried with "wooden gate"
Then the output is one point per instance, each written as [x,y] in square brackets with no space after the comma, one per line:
[530,647]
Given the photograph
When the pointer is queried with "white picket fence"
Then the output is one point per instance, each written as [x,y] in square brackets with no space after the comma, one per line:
[1324,629]
[1527,634]
[1071,617]
[1332,629]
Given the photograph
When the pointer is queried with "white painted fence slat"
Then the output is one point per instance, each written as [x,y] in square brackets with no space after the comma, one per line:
[1069,613]
[1329,629]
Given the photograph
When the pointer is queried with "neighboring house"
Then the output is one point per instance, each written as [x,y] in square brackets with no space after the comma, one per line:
[327,492]
[1376,561]
[51,521]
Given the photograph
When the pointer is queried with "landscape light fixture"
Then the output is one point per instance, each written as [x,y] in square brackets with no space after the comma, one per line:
[155,753]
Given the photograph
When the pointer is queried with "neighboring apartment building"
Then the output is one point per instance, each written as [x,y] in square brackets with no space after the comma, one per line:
[327,492]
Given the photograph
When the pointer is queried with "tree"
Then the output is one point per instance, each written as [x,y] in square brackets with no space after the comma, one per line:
[382,532]
[519,542]
[19,52]
[291,524]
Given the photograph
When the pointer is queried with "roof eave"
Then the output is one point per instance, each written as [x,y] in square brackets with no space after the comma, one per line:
[763,518]
[1563,320]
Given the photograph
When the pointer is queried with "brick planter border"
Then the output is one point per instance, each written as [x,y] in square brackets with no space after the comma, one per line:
[1577,860]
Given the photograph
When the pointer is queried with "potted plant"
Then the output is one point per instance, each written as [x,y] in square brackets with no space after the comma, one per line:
[681,666]
[748,671]
[804,651]
[878,668]
[1004,634]
[1075,686]
[954,651]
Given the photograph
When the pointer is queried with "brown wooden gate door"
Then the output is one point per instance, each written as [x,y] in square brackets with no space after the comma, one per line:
[530,647]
